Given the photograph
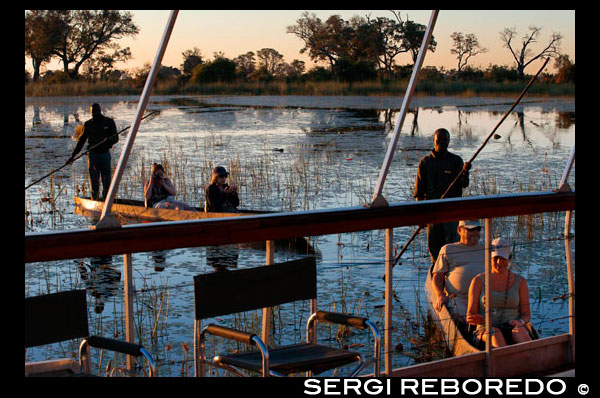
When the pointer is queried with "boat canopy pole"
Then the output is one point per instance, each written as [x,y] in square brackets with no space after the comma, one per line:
[378,199]
[564,185]
[108,220]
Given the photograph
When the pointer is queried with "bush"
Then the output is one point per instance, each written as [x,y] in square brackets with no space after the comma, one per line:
[219,70]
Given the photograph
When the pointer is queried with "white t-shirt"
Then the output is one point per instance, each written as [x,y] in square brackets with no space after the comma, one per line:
[461,263]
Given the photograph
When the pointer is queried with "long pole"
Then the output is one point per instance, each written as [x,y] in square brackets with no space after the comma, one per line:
[378,199]
[466,166]
[105,220]
[83,153]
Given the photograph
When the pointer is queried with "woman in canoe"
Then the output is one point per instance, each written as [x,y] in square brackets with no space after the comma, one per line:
[219,195]
[160,192]
[510,310]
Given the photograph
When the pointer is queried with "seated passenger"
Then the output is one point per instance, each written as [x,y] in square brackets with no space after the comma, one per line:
[160,192]
[510,310]
[219,195]
[455,267]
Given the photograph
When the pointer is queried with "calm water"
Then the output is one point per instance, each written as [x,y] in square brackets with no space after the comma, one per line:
[295,153]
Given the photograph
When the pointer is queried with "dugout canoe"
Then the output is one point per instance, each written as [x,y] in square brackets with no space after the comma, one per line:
[458,336]
[135,210]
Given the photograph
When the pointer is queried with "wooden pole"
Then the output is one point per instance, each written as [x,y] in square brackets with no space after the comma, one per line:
[129,292]
[488,299]
[389,265]
[266,312]
[571,276]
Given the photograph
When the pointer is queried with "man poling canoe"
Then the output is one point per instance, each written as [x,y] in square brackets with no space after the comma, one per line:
[467,165]
[71,159]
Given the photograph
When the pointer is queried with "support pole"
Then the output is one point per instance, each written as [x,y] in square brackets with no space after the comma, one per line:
[266,312]
[488,299]
[389,265]
[128,298]
[108,220]
[378,199]
[564,185]
[571,276]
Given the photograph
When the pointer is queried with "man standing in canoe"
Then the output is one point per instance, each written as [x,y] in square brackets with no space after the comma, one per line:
[101,134]
[435,174]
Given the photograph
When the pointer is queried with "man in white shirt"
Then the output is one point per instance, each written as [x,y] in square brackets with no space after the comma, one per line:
[456,265]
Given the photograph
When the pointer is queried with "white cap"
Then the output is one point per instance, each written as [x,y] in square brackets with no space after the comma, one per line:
[500,248]
[469,224]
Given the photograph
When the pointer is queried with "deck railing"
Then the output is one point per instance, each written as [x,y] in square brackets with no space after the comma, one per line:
[128,239]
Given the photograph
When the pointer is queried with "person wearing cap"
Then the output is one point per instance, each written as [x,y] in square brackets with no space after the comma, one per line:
[435,173]
[456,266]
[510,311]
[101,134]
[219,195]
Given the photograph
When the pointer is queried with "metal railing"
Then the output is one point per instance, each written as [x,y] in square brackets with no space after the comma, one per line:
[128,239]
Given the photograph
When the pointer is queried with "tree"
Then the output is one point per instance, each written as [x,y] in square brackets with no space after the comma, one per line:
[102,65]
[413,38]
[566,69]
[524,56]
[89,31]
[319,38]
[43,29]
[465,47]
[270,59]
[389,42]
[245,64]
[218,70]
[191,59]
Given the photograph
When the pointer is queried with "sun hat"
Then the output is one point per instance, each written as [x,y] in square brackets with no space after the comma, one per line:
[220,170]
[500,248]
[469,224]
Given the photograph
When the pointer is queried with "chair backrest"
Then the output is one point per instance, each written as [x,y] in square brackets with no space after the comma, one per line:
[55,317]
[229,292]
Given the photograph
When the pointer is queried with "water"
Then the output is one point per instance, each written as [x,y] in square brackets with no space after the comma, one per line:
[295,153]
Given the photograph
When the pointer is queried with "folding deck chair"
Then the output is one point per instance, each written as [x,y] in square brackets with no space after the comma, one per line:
[223,293]
[62,316]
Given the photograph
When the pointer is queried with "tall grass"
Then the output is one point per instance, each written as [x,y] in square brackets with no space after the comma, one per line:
[374,87]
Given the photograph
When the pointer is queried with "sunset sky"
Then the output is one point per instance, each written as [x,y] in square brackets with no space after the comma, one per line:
[236,32]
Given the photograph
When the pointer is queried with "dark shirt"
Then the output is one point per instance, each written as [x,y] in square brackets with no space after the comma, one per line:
[215,199]
[159,192]
[435,174]
[96,130]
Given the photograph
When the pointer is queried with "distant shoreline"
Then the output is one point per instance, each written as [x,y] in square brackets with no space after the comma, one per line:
[394,102]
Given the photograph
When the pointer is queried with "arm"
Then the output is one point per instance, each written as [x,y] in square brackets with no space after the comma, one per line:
[80,143]
[464,178]
[169,186]
[473,315]
[419,193]
[438,284]
[524,308]
[148,187]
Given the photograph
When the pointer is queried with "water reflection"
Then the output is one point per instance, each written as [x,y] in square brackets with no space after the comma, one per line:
[101,279]
[223,257]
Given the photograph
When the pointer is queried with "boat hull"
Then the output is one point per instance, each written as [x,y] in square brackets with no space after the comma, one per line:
[135,209]
[458,344]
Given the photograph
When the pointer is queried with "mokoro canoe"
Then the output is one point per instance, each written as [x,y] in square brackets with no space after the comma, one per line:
[135,210]
[458,335]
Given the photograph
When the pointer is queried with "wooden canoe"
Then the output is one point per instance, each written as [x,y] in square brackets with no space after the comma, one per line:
[136,211]
[458,336]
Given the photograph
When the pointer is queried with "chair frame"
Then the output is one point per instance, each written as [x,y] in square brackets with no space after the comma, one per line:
[304,267]
[70,303]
